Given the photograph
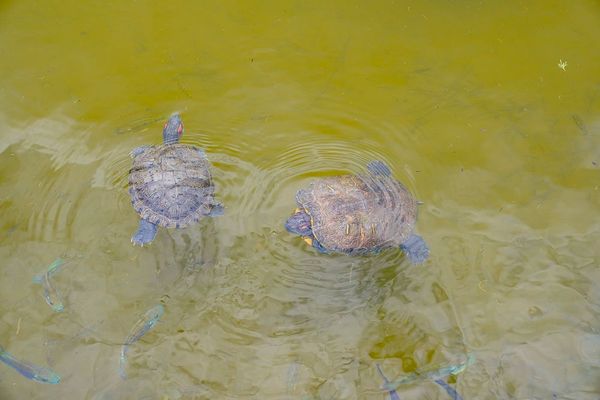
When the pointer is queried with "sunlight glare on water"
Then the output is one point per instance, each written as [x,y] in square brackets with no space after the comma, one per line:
[488,112]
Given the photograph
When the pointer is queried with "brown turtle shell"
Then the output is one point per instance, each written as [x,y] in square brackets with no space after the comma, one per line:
[356,214]
[171,185]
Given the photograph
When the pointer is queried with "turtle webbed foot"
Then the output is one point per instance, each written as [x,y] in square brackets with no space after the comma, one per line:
[145,233]
[415,249]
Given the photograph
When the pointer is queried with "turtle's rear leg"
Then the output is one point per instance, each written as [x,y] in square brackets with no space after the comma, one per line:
[145,233]
[416,249]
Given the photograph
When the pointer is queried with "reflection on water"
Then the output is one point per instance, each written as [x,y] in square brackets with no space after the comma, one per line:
[475,118]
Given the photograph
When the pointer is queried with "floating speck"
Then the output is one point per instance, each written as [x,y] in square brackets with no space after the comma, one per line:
[562,65]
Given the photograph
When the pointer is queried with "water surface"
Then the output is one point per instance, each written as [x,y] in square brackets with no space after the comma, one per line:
[466,102]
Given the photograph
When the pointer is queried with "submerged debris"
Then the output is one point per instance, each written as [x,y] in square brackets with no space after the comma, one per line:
[562,65]
[434,375]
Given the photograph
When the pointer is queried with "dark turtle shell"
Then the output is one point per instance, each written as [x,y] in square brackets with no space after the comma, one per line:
[359,214]
[171,185]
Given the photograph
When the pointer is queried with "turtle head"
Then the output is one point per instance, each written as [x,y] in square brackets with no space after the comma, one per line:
[173,129]
[299,223]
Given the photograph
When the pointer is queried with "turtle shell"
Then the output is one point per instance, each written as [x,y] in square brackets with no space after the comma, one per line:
[171,185]
[359,214]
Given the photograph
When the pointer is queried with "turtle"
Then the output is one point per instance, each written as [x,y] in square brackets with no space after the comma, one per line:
[170,184]
[358,214]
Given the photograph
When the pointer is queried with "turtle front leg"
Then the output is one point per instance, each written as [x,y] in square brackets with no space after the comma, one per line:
[137,151]
[145,233]
[416,249]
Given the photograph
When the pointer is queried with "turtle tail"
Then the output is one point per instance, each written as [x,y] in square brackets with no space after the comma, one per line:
[415,249]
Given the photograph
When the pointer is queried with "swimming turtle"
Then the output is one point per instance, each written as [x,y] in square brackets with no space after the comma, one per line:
[358,214]
[170,184]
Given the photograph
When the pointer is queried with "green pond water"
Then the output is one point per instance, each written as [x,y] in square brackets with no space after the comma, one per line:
[489,113]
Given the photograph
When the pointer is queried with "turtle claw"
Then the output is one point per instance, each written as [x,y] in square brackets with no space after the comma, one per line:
[136,242]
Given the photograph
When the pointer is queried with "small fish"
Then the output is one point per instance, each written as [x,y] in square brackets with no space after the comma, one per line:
[145,323]
[433,375]
[393,393]
[51,294]
[30,371]
[50,271]
[452,369]
[292,377]
[580,124]
[449,389]
[137,126]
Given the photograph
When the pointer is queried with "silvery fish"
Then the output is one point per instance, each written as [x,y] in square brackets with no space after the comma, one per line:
[393,393]
[433,375]
[30,371]
[292,377]
[145,323]
[137,126]
[51,294]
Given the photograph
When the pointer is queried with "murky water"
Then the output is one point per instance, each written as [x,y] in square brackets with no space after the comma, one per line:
[466,102]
